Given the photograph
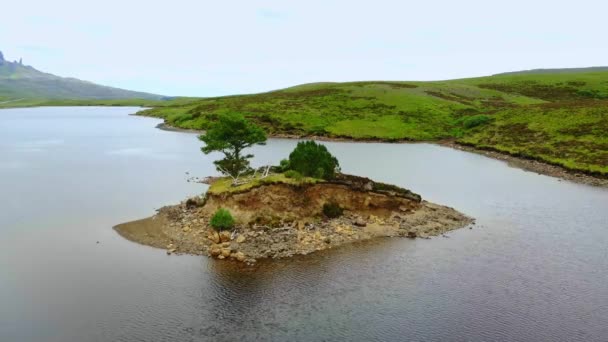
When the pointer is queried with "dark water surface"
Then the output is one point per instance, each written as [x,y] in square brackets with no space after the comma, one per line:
[535,268]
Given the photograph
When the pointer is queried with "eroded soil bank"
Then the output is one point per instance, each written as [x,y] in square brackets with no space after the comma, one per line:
[282,220]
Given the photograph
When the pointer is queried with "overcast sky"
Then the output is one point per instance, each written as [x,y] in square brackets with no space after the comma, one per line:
[206,48]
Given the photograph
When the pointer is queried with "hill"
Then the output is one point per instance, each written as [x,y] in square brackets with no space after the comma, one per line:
[557,71]
[19,81]
[558,118]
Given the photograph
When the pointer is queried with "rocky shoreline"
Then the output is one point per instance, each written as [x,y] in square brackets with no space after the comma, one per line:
[273,223]
[536,166]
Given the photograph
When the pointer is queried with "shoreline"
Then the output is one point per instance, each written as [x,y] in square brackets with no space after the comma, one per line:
[526,164]
[281,220]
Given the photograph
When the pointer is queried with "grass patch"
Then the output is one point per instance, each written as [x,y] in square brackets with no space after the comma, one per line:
[224,185]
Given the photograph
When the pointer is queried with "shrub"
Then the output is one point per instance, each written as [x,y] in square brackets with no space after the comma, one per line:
[222,220]
[475,120]
[332,210]
[294,174]
[313,160]
[284,165]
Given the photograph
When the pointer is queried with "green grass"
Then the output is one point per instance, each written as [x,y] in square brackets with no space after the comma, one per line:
[558,118]
[224,184]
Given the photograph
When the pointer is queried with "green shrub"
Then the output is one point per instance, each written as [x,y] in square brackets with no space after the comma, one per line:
[313,160]
[294,174]
[222,220]
[475,120]
[332,210]
[284,165]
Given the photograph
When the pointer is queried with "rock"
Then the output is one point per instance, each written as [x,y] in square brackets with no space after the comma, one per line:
[221,257]
[214,238]
[241,238]
[327,239]
[301,225]
[215,251]
[226,252]
[360,222]
[186,229]
[240,256]
[412,234]
[225,236]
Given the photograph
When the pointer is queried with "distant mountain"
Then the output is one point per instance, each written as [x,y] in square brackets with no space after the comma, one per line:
[556,71]
[23,81]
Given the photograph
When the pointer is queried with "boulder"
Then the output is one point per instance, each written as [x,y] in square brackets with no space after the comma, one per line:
[240,239]
[359,222]
[240,256]
[214,238]
[215,251]
[226,252]
[225,236]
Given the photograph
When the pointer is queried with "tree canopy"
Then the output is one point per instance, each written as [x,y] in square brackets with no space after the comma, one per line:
[313,160]
[230,135]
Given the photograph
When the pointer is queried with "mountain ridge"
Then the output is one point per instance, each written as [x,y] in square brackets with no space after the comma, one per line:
[23,81]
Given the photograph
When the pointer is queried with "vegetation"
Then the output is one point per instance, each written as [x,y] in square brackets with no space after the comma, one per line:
[312,159]
[222,220]
[230,135]
[557,116]
[294,174]
[223,185]
[332,210]
[554,115]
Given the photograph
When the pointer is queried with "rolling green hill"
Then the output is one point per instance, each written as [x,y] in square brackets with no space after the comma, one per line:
[18,81]
[560,118]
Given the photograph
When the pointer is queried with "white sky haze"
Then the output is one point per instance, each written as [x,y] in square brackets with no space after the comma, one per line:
[207,48]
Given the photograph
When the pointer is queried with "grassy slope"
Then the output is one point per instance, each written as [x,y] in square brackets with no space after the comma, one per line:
[558,118]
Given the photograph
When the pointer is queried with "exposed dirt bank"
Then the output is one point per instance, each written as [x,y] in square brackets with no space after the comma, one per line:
[282,220]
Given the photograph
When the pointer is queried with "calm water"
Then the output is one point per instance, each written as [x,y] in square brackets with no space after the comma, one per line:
[535,268]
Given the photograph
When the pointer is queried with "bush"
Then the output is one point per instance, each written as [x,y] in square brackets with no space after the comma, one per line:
[222,220]
[475,120]
[294,174]
[284,166]
[332,210]
[313,160]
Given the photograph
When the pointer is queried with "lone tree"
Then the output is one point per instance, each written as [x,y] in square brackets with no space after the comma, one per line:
[231,134]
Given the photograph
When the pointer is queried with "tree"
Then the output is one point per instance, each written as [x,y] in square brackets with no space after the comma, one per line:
[313,160]
[231,134]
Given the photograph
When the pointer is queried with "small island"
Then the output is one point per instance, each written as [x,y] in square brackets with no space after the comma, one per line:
[303,205]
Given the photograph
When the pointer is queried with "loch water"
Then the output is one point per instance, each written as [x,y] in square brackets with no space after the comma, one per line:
[533,268]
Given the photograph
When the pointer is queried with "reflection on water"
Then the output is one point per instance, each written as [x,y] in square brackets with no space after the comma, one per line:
[532,268]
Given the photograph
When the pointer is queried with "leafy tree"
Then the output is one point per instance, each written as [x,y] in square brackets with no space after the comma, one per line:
[231,134]
[313,160]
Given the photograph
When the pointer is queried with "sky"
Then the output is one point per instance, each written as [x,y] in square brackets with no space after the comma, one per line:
[210,48]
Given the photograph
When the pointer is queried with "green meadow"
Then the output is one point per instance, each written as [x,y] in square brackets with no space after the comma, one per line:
[559,118]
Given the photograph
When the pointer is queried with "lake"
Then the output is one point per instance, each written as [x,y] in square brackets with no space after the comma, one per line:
[534,268]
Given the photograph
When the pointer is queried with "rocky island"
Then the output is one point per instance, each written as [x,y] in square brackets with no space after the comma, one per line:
[301,206]
[277,217]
